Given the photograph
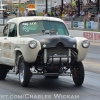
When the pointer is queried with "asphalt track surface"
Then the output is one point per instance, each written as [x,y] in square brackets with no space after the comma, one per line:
[48,89]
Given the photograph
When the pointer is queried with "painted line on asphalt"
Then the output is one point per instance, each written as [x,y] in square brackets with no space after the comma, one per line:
[89,63]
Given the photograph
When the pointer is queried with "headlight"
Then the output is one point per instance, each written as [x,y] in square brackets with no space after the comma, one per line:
[86,44]
[33,44]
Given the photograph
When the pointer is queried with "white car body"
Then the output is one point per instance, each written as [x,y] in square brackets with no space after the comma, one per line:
[10,45]
[42,42]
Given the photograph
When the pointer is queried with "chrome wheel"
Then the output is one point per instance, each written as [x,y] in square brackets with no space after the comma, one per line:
[21,74]
[24,72]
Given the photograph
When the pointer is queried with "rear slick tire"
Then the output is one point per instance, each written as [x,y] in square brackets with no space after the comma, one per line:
[3,72]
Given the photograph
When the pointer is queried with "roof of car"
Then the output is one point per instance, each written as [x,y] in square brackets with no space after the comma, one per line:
[18,20]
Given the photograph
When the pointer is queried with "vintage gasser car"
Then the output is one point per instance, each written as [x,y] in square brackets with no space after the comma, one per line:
[43,43]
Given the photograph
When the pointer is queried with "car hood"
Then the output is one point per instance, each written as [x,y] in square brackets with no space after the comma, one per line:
[48,41]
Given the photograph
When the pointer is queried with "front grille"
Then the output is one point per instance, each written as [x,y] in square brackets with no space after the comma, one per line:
[59,50]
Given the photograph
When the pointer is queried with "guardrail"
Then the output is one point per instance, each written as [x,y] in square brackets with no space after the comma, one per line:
[3,21]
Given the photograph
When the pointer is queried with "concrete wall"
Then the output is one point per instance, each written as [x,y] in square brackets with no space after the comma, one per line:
[41,5]
[90,35]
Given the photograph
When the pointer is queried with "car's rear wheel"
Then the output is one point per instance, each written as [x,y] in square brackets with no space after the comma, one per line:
[24,72]
[3,72]
[78,73]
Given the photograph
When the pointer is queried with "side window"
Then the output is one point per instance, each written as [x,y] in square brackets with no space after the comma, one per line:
[12,30]
[6,29]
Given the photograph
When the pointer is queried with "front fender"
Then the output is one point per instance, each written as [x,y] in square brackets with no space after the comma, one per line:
[29,54]
[82,52]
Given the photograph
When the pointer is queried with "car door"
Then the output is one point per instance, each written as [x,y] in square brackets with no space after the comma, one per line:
[8,42]
[5,32]
[3,48]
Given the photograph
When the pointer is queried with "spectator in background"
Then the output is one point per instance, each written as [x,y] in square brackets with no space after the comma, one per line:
[19,13]
[15,12]
[67,17]
[26,12]
[52,15]
[98,14]
[65,3]
[92,16]
[55,4]
[46,14]
[87,18]
[43,13]
[5,15]
[30,13]
[60,8]
[74,15]
[71,13]
[34,13]
[74,3]
[82,13]
[95,2]
[89,15]
[55,14]
[77,3]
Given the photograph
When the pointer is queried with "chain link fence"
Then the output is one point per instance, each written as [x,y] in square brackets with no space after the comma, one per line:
[82,23]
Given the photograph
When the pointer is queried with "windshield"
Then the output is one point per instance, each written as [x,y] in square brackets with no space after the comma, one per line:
[36,27]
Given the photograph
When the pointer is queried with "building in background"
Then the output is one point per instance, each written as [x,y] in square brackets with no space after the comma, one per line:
[14,1]
[42,3]
[31,1]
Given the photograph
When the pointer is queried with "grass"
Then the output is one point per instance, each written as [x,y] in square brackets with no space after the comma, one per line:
[39,14]
[21,5]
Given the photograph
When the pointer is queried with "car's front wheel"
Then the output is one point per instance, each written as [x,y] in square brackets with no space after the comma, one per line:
[78,73]
[3,72]
[24,72]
